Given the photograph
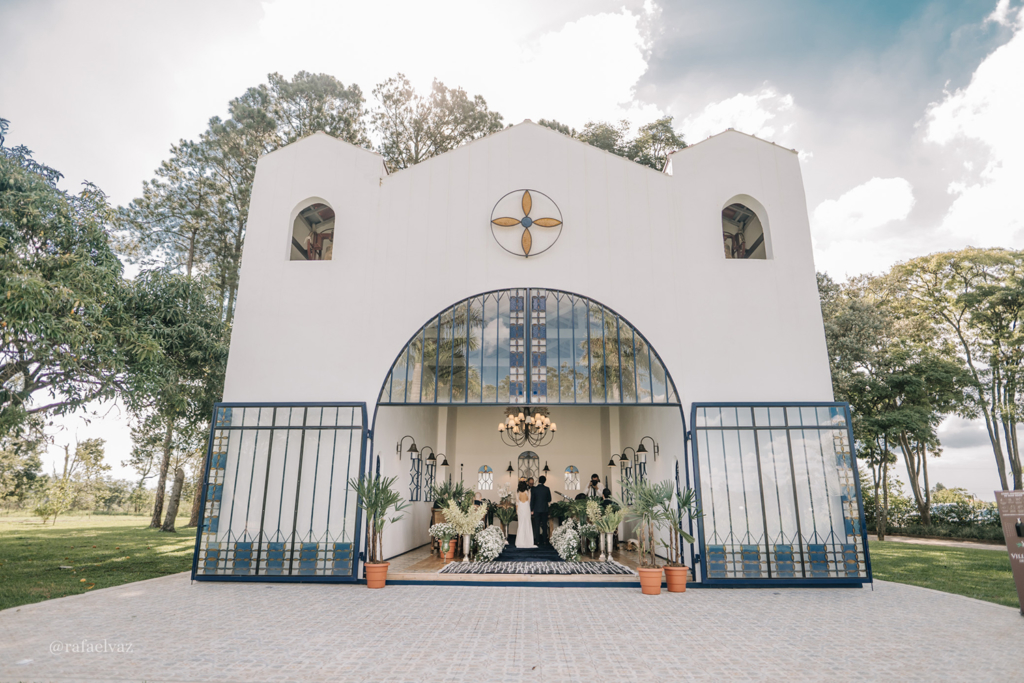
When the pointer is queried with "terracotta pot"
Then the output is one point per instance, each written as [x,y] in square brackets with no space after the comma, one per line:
[676,578]
[650,581]
[376,574]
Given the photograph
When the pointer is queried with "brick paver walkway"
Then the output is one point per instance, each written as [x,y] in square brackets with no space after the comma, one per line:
[263,632]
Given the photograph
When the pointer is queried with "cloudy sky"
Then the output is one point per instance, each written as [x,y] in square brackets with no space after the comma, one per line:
[906,114]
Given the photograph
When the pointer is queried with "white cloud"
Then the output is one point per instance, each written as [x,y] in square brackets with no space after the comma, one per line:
[753,114]
[573,71]
[984,120]
[846,231]
[864,208]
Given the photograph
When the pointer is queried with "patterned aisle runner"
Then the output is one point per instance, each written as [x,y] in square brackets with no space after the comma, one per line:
[536,568]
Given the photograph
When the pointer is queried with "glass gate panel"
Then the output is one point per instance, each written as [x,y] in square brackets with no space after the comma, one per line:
[276,501]
[779,489]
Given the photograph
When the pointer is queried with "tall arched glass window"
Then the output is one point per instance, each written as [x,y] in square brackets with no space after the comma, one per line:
[528,346]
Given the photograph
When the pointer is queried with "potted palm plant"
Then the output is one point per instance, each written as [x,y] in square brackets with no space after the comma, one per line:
[648,510]
[377,497]
[677,573]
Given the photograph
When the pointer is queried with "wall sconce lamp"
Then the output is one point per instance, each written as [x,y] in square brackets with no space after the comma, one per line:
[642,451]
[546,468]
[432,459]
[413,451]
[443,466]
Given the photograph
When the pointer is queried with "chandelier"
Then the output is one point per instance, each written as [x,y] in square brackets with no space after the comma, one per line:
[527,426]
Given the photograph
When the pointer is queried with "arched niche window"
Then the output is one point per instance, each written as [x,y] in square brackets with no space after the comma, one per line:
[313,233]
[745,231]
[529,465]
[572,478]
[485,478]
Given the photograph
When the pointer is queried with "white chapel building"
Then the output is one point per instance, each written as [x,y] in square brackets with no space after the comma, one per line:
[666,322]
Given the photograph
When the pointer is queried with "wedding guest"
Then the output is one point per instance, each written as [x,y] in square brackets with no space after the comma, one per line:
[594,488]
[606,498]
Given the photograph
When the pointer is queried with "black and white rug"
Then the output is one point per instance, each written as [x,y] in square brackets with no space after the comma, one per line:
[606,568]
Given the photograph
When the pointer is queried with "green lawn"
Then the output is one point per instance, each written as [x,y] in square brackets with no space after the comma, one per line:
[102,551]
[981,574]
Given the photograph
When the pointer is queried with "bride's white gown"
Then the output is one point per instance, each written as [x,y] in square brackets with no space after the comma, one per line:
[524,533]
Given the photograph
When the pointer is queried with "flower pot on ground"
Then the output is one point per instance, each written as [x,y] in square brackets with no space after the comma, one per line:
[671,519]
[648,510]
[376,574]
[376,497]
[676,577]
[650,580]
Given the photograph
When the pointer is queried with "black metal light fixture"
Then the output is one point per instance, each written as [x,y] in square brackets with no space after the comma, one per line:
[510,470]
[443,467]
[413,451]
[642,450]
[431,458]
[624,464]
[524,425]
[546,468]
[612,463]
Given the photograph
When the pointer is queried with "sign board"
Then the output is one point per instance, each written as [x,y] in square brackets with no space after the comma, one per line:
[1011,513]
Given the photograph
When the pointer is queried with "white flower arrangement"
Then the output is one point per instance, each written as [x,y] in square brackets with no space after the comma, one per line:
[490,542]
[443,531]
[566,541]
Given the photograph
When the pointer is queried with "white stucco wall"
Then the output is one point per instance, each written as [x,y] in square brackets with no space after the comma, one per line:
[644,243]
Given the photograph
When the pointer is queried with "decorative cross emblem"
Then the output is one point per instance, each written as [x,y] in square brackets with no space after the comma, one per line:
[526,241]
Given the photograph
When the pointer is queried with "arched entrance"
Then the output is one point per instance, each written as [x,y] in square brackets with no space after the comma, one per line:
[597,377]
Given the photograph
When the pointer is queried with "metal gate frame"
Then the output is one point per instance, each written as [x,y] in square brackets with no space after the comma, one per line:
[365,434]
[766,582]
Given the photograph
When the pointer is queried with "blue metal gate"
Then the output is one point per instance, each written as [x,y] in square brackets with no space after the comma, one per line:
[276,503]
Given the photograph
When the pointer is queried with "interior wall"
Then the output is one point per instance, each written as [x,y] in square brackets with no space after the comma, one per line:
[666,427]
[420,422]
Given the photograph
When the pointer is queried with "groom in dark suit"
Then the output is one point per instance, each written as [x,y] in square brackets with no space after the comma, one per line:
[540,499]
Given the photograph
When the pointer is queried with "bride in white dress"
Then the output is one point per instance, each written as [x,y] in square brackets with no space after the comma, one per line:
[524,533]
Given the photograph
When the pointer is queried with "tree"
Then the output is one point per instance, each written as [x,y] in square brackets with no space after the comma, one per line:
[177,389]
[78,476]
[413,128]
[175,218]
[63,329]
[21,466]
[900,380]
[651,146]
[560,127]
[973,299]
[607,136]
[654,142]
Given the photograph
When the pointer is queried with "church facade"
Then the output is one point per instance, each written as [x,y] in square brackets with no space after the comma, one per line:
[666,322]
